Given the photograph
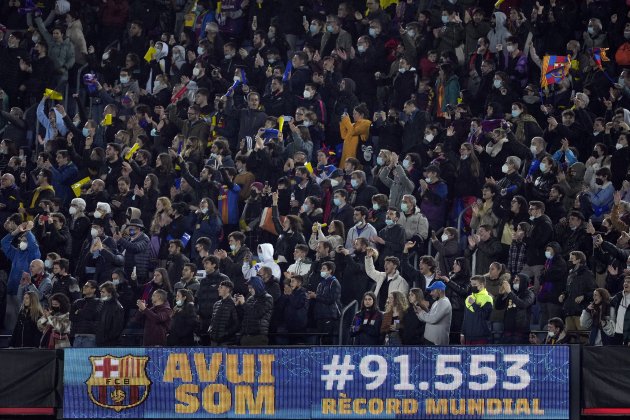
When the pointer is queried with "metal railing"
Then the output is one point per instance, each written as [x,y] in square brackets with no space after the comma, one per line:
[343,326]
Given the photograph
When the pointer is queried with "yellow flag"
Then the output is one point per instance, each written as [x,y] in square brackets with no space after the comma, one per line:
[53,94]
[280,123]
[309,167]
[149,55]
[218,7]
[107,120]
[131,151]
[76,187]
[498,3]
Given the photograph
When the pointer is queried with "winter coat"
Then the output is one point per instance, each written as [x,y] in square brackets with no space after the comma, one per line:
[225,322]
[499,34]
[517,306]
[553,279]
[183,325]
[413,332]
[486,252]
[157,321]
[438,322]
[354,280]
[352,133]
[25,333]
[20,260]
[446,253]
[415,224]
[366,327]
[137,254]
[208,294]
[399,184]
[84,315]
[295,310]
[396,283]
[328,300]
[62,53]
[602,328]
[103,263]
[232,266]
[476,316]
[580,282]
[256,314]
[538,236]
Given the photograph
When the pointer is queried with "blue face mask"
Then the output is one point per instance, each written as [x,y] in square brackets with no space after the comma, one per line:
[389,222]
[132,232]
[445,19]
[380,161]
[337,202]
[354,183]
[324,274]
[85,131]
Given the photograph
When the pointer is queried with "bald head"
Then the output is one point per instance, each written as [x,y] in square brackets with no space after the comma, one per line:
[8,180]
[37,267]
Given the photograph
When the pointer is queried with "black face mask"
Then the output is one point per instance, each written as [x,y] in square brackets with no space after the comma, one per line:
[474,289]
[54,310]
[595,154]
[392,119]
[599,181]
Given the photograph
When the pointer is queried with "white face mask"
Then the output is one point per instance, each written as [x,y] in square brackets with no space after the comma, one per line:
[48,264]
[72,211]
[551,334]
[23,246]
[543,167]
[444,237]
[516,286]
[533,149]
[196,71]
[334,183]
[179,302]
[200,51]
[236,78]
[97,214]
[106,298]
[94,233]
[618,146]
[306,94]
[505,168]
[115,283]
[429,137]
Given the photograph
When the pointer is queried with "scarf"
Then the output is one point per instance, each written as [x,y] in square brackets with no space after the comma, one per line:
[520,126]
[493,149]
[36,193]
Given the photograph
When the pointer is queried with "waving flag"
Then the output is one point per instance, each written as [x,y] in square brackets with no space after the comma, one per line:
[287,71]
[554,69]
[599,55]
[242,81]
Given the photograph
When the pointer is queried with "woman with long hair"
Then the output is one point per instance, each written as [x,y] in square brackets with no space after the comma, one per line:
[290,231]
[457,289]
[26,333]
[468,181]
[599,317]
[366,325]
[55,323]
[413,332]
[184,321]
[160,281]
[158,231]
[392,326]
[165,172]
[146,196]
[194,152]
[208,224]
[353,133]
[336,235]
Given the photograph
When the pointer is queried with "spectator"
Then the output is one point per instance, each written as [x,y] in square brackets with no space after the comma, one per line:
[184,320]
[366,325]
[255,314]
[438,317]
[225,321]
[392,327]
[516,299]
[388,281]
[55,323]
[38,282]
[475,330]
[599,317]
[112,317]
[26,333]
[157,319]
[327,304]
[85,315]
[578,292]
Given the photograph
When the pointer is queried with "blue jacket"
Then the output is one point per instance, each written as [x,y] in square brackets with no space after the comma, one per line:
[328,300]
[20,260]
[43,120]
[62,178]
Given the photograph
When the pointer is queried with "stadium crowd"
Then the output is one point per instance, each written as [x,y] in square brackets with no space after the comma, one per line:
[220,173]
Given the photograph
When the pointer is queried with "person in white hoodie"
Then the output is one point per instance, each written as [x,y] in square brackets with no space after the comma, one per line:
[387,281]
[264,259]
[499,34]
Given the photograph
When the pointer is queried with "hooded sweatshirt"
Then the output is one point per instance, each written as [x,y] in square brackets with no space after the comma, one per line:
[499,34]
[264,259]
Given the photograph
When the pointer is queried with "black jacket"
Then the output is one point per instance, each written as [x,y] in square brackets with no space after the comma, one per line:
[25,333]
[363,196]
[225,322]
[413,332]
[208,294]
[580,282]
[327,302]
[232,267]
[517,307]
[183,325]
[294,309]
[67,285]
[553,280]
[536,239]
[366,327]
[110,324]
[354,280]
[256,314]
[84,315]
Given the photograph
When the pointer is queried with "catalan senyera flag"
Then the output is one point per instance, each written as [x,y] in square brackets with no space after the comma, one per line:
[554,68]
[599,55]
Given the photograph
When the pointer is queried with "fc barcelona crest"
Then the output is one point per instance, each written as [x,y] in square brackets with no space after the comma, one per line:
[118,383]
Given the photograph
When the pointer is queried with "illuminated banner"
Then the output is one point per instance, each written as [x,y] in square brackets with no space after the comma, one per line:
[319,382]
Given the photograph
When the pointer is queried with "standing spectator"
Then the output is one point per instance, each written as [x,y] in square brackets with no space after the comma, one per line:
[188,279]
[184,321]
[552,284]
[536,239]
[85,315]
[63,282]
[208,292]
[578,292]
[485,248]
[112,317]
[327,302]
[366,325]
[599,317]
[135,245]
[255,314]
[438,318]
[38,282]
[392,326]
[26,333]
[55,324]
[353,134]
[475,329]
[516,299]
[20,257]
[620,303]
[388,281]
[157,319]
[224,323]
[60,50]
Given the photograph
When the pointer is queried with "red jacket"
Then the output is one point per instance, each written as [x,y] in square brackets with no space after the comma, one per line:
[156,324]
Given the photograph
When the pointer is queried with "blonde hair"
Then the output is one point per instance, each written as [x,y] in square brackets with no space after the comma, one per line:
[34,308]
[156,222]
[399,301]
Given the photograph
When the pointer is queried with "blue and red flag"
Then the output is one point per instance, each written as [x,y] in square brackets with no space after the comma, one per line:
[554,68]
[599,55]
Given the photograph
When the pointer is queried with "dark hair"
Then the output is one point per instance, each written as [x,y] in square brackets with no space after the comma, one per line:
[192,266]
[557,322]
[374,299]
[63,264]
[394,260]
[329,265]
[363,210]
[228,284]
[64,302]
[204,242]
[237,236]
[212,259]
[110,288]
